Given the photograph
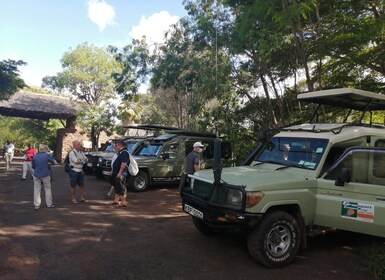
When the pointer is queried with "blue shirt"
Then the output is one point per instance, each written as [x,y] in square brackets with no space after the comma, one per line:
[122,157]
[192,159]
[40,164]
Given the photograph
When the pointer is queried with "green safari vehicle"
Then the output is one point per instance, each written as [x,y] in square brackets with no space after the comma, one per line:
[303,180]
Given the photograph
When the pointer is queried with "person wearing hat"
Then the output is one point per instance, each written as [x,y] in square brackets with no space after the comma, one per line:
[193,158]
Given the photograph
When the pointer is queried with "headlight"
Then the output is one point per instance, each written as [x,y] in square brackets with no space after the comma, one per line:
[253,198]
[234,197]
[100,159]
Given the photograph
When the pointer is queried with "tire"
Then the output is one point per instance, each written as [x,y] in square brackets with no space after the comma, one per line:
[139,183]
[275,242]
[204,228]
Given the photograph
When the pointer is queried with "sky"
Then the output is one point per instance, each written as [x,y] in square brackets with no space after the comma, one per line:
[39,32]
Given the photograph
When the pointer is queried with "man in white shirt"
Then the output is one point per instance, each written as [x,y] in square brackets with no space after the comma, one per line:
[76,160]
[9,150]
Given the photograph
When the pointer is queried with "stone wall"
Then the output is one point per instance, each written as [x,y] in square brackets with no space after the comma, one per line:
[64,139]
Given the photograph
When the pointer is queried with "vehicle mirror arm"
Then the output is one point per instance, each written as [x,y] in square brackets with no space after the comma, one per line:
[344,177]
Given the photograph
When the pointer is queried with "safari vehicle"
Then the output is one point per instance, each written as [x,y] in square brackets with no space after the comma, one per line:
[134,137]
[89,166]
[303,180]
[163,158]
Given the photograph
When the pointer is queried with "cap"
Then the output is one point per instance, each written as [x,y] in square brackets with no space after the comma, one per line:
[198,144]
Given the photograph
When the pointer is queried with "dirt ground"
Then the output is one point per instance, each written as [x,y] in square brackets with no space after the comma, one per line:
[150,239]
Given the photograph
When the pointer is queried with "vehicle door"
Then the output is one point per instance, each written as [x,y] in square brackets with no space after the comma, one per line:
[170,162]
[351,195]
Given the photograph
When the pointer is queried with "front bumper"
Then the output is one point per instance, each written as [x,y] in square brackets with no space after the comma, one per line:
[220,218]
[211,212]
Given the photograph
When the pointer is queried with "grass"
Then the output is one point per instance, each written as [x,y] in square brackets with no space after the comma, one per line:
[375,264]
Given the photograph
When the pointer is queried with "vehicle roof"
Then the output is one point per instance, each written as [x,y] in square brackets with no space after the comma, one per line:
[346,98]
[151,127]
[338,132]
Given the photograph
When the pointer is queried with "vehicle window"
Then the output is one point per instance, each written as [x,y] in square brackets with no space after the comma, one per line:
[293,151]
[380,143]
[151,150]
[358,162]
[131,146]
[336,171]
[379,164]
[110,148]
[172,150]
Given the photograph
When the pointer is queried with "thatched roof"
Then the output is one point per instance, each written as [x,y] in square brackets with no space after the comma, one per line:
[31,105]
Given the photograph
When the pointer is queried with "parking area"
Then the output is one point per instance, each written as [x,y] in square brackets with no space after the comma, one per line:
[151,238]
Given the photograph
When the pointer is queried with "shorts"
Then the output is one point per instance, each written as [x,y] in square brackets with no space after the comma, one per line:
[119,186]
[76,178]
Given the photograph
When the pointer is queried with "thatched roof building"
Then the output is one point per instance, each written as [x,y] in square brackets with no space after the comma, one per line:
[31,105]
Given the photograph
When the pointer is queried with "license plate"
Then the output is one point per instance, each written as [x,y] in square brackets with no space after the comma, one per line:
[106,172]
[89,164]
[193,212]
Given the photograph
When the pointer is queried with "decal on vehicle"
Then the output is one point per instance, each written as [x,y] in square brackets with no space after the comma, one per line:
[357,211]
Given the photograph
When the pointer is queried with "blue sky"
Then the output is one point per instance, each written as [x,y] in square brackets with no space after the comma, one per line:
[41,31]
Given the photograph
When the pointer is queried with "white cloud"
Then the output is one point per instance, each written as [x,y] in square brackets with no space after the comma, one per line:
[153,27]
[32,77]
[100,13]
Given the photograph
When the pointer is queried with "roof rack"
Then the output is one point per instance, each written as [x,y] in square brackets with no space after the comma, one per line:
[334,128]
[151,127]
[192,133]
[346,98]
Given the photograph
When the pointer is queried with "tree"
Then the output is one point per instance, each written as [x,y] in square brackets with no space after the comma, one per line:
[135,60]
[190,71]
[10,81]
[87,76]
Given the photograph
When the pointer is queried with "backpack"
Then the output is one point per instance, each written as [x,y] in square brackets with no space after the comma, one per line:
[67,166]
[133,168]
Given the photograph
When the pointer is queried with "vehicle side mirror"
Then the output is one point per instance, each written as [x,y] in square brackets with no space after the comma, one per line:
[344,177]
[165,156]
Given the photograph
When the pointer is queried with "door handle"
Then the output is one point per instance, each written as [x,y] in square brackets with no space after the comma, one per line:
[380,198]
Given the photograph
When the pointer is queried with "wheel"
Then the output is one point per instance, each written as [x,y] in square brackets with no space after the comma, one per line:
[139,183]
[275,241]
[204,228]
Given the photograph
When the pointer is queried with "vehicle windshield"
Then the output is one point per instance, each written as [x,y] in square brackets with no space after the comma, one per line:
[290,151]
[110,149]
[131,145]
[151,150]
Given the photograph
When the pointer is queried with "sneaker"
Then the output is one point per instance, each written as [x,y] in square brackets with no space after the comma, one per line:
[51,206]
[23,179]
[37,207]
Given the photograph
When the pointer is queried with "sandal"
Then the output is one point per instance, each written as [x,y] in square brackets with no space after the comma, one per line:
[114,203]
[83,200]
[75,201]
[121,205]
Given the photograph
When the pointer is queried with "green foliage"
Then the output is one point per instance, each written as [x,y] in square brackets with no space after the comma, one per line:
[375,260]
[134,60]
[10,82]
[24,131]
[95,119]
[87,74]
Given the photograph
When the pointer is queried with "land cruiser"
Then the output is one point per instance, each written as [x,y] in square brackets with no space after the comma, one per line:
[163,158]
[134,137]
[304,178]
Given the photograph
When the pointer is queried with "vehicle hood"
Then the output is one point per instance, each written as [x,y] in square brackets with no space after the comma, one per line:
[106,155]
[260,177]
